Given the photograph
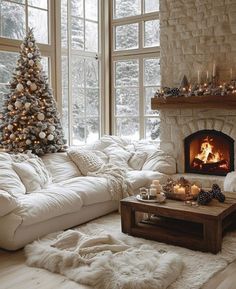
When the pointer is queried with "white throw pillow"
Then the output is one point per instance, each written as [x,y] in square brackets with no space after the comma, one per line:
[230,182]
[86,161]
[9,180]
[60,166]
[161,162]
[137,161]
[33,174]
[7,203]
[118,156]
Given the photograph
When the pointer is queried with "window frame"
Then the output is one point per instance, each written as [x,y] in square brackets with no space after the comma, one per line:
[47,50]
[140,53]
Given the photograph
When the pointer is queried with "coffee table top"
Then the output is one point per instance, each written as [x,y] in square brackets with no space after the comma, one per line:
[214,209]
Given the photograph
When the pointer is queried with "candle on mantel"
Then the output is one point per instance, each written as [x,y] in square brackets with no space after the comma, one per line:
[214,70]
[207,75]
[231,74]
[195,190]
[198,77]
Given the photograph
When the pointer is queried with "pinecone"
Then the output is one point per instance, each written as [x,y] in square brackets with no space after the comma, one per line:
[204,197]
[174,92]
[216,191]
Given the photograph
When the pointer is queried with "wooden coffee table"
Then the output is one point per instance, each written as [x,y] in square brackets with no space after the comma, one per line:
[198,228]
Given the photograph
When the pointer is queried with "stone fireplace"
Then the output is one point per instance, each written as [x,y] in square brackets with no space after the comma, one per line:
[209,152]
[182,127]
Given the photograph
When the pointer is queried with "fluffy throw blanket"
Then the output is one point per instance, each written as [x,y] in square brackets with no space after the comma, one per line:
[118,185]
[104,262]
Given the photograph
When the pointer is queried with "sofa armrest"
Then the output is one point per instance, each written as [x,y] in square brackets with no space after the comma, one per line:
[7,203]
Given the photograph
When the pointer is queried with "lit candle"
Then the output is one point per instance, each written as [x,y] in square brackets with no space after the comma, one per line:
[153,191]
[176,188]
[181,191]
[195,190]
[198,76]
[156,182]
[214,70]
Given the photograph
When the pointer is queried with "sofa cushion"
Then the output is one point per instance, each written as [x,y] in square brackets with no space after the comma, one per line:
[7,203]
[86,160]
[137,161]
[32,173]
[230,182]
[138,179]
[118,156]
[60,166]
[91,189]
[47,203]
[9,180]
[161,162]
[106,141]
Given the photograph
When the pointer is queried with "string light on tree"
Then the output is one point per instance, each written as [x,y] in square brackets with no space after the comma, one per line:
[29,116]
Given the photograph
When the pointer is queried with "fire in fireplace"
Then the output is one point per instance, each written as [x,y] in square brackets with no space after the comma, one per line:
[209,152]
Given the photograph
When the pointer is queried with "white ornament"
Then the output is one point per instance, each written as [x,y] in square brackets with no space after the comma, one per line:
[10,107]
[33,86]
[28,142]
[18,72]
[41,116]
[30,55]
[29,82]
[31,62]
[42,134]
[50,137]
[39,65]
[19,87]
[10,126]
[27,105]
[18,104]
[22,46]
[12,136]
[52,128]
[30,44]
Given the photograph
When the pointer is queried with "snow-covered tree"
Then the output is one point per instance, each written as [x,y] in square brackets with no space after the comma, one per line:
[29,117]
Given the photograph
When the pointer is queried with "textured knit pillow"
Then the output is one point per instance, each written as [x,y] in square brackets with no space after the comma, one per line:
[86,161]
[32,173]
[137,161]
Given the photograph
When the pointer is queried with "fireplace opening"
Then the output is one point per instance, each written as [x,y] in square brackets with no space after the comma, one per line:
[209,152]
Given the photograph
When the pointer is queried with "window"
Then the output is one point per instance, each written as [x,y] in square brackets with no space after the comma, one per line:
[135,66]
[15,18]
[81,65]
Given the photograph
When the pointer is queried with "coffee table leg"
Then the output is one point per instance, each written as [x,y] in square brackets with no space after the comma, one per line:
[127,218]
[213,236]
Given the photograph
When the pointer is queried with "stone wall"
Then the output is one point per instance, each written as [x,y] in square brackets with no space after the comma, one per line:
[194,35]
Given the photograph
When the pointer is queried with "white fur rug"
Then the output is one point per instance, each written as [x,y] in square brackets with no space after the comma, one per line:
[127,262]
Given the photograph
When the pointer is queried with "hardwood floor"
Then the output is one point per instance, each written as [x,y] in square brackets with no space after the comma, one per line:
[14,274]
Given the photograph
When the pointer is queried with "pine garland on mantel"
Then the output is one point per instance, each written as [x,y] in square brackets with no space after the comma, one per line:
[29,119]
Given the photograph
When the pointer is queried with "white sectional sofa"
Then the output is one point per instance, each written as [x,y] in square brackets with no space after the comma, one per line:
[55,195]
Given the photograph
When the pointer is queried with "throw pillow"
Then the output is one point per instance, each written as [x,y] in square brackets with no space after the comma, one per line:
[86,161]
[32,173]
[137,161]
[161,162]
[118,156]
[230,182]
[7,203]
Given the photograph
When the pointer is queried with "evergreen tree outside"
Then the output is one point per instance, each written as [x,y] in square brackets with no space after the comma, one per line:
[29,117]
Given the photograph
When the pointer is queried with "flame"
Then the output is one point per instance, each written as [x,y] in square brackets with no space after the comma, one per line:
[207,154]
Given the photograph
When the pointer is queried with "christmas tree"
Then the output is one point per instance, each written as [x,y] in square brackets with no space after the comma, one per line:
[29,117]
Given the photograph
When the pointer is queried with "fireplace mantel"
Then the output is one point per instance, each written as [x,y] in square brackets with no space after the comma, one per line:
[209,101]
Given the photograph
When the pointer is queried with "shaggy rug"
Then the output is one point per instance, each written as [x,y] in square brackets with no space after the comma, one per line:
[99,255]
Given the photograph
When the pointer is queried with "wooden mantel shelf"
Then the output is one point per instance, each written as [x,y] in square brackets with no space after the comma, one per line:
[209,101]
